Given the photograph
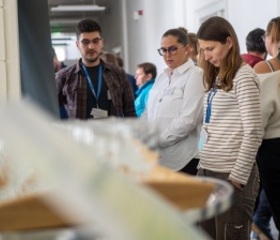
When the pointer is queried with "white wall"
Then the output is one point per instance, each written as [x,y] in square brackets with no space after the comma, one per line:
[144,34]
[196,9]
[249,14]
[139,38]
[159,15]
[111,25]
[71,51]
[10,86]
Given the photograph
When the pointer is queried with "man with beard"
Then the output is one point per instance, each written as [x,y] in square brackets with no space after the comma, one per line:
[92,88]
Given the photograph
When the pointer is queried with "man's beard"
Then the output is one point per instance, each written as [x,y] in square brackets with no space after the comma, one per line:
[92,60]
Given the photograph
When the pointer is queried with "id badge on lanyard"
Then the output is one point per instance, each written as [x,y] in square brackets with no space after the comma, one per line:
[96,112]
[204,134]
[203,138]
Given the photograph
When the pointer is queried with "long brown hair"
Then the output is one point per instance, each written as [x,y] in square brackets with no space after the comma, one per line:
[218,29]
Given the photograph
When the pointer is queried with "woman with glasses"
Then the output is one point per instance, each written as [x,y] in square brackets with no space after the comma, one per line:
[231,133]
[175,103]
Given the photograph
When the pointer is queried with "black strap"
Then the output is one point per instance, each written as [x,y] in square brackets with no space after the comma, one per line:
[270,66]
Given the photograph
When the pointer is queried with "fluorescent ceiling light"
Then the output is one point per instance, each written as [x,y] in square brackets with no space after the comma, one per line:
[77,8]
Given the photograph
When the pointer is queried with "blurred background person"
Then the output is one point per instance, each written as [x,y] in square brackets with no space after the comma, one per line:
[56,63]
[193,43]
[256,52]
[130,77]
[272,44]
[255,46]
[145,77]
[57,66]
[109,57]
[112,58]
[269,153]
[175,103]
[268,156]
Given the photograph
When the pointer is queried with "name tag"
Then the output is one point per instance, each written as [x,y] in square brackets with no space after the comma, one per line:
[99,113]
[178,92]
[109,97]
[169,91]
[203,139]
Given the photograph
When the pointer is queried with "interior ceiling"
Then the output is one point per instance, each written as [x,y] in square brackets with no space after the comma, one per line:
[65,22]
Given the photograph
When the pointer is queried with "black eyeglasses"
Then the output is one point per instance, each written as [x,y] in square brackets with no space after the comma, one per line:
[171,50]
[94,41]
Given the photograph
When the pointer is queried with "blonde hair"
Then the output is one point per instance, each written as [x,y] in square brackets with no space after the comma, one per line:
[273,30]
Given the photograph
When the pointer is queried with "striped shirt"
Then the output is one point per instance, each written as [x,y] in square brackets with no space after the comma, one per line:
[234,130]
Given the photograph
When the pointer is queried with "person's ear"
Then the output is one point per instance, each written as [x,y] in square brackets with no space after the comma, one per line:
[229,42]
[187,49]
[149,76]
[102,42]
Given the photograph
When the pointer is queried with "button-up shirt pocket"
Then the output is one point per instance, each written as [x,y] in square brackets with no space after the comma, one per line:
[171,103]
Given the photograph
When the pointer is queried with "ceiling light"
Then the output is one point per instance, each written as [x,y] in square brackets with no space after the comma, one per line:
[77,8]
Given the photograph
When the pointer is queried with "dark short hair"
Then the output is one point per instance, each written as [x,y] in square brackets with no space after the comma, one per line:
[254,41]
[148,68]
[87,25]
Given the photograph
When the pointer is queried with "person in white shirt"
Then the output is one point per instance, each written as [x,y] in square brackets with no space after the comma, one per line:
[269,152]
[175,103]
[231,133]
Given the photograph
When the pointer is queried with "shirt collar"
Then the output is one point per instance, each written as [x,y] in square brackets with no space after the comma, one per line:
[79,65]
[181,69]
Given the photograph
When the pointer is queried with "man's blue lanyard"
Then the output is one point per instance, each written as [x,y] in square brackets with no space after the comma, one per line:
[99,86]
[209,104]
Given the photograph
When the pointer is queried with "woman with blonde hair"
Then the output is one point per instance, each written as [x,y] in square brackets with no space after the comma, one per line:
[231,133]
[269,152]
[272,44]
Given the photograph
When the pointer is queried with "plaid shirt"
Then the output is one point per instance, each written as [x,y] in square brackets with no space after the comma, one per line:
[71,86]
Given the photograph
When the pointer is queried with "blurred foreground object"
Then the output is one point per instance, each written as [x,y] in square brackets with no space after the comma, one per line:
[98,178]
[69,181]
